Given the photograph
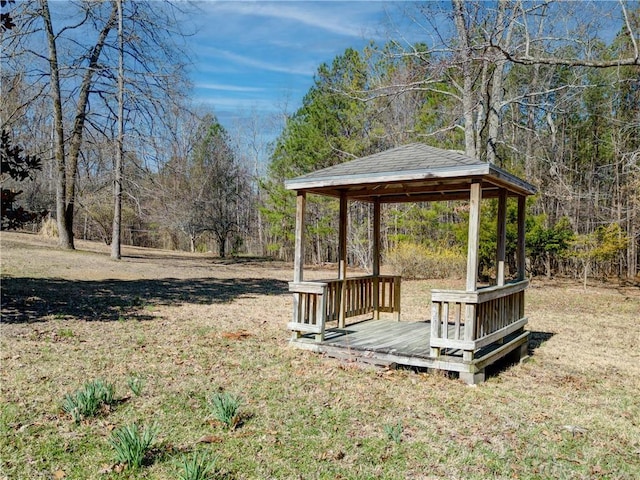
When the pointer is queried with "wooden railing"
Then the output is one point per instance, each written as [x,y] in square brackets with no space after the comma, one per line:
[317,302]
[468,321]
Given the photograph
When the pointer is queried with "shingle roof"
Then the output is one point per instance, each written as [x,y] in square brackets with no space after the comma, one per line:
[415,156]
[408,171]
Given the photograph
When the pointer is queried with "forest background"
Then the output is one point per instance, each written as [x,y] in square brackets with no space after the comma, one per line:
[103,100]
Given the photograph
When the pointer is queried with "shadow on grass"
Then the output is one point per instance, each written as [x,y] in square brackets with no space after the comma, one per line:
[536,339]
[36,299]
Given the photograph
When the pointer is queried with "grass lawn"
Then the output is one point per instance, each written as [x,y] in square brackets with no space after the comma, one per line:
[189,326]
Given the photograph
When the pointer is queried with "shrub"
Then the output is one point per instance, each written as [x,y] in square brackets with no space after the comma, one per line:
[86,401]
[196,467]
[49,228]
[132,443]
[225,408]
[412,260]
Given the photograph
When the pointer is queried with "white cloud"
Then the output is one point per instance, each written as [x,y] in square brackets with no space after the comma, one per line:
[342,18]
[269,65]
[227,88]
[223,104]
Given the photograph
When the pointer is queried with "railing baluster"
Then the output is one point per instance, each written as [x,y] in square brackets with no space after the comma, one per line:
[445,319]
[457,308]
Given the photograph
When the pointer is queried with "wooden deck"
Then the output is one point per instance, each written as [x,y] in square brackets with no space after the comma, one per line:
[386,343]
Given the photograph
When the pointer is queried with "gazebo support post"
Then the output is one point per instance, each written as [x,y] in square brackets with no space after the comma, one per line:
[342,258]
[472,378]
[502,237]
[298,259]
[376,259]
[475,199]
[520,251]
[521,264]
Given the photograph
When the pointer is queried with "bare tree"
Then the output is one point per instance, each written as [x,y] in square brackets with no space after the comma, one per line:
[79,67]
[119,167]
[67,164]
[203,188]
[473,46]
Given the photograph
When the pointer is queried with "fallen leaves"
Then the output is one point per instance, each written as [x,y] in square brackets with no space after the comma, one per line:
[237,335]
[116,468]
[575,429]
[331,455]
[210,439]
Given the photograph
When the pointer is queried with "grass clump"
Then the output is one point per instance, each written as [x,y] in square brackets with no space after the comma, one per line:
[394,432]
[198,466]
[87,401]
[131,444]
[225,408]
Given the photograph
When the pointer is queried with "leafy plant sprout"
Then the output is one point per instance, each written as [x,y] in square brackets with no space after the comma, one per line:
[225,408]
[131,444]
[198,466]
[135,384]
[394,432]
[87,401]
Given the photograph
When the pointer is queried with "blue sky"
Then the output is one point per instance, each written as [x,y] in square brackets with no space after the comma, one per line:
[261,56]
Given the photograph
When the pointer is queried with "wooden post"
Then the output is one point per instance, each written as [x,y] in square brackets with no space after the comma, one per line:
[520,252]
[435,328]
[376,259]
[475,198]
[502,237]
[472,378]
[321,309]
[396,298]
[298,259]
[342,258]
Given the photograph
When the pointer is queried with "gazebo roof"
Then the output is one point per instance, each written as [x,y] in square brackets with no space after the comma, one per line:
[414,172]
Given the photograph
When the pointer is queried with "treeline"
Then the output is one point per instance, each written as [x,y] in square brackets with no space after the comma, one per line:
[533,87]
[563,114]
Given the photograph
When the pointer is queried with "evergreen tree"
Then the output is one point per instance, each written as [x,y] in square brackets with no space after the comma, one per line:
[18,167]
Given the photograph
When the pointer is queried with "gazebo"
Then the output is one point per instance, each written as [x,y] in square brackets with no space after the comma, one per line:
[469,329]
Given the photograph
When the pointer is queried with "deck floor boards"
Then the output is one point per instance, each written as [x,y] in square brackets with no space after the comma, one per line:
[407,338]
[404,343]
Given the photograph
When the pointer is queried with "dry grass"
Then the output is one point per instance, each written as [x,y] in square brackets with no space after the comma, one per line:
[191,325]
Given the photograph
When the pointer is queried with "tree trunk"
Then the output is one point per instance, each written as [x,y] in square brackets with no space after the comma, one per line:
[222,242]
[547,264]
[117,187]
[65,233]
[467,79]
[67,165]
